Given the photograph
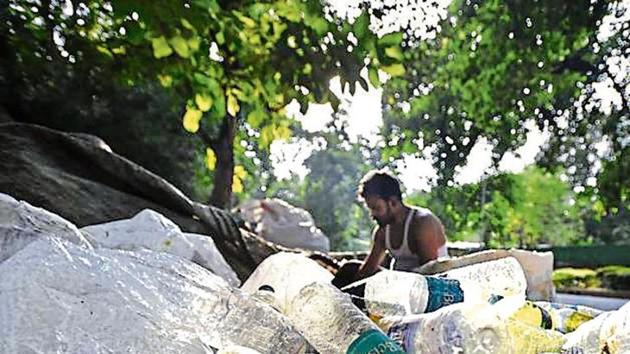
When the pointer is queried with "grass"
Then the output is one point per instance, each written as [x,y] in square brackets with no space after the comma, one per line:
[611,277]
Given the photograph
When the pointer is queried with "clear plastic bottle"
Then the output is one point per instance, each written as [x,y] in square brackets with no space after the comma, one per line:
[395,293]
[473,328]
[567,318]
[287,273]
[333,325]
[503,277]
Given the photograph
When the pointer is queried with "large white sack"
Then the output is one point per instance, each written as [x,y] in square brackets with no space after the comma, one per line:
[22,223]
[537,266]
[284,224]
[150,229]
[56,297]
[287,273]
[606,333]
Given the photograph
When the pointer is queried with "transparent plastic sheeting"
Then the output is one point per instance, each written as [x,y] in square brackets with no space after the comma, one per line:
[606,333]
[150,229]
[287,273]
[22,223]
[59,297]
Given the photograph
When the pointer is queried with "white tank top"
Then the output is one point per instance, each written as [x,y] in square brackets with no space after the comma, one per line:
[404,259]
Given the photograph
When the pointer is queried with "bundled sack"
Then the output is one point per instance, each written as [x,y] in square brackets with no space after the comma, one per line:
[284,224]
[150,229]
[22,223]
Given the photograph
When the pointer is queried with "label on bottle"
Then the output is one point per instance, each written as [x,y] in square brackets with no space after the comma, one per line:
[443,292]
[403,333]
[374,342]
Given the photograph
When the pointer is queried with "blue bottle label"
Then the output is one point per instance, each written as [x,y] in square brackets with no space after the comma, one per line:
[403,334]
[374,342]
[443,292]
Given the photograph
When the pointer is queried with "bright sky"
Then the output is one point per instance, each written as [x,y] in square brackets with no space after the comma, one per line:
[365,118]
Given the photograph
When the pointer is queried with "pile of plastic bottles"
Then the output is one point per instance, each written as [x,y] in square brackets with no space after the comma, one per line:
[476,309]
[93,290]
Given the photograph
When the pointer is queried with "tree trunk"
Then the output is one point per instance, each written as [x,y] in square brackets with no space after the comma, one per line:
[223,147]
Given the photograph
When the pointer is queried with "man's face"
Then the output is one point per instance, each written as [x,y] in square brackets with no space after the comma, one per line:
[380,210]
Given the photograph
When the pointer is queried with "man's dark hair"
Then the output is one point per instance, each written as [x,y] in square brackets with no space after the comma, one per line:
[381,184]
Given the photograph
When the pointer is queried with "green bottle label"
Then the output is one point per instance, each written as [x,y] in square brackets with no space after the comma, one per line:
[374,342]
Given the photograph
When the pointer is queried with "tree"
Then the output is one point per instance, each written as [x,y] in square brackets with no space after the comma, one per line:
[508,210]
[493,65]
[329,189]
[229,64]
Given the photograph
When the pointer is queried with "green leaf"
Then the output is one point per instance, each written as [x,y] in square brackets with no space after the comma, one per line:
[256,117]
[318,24]
[193,43]
[232,104]
[220,37]
[204,102]
[166,80]
[394,52]
[191,119]
[394,70]
[105,51]
[373,76]
[361,25]
[180,45]
[211,159]
[187,24]
[161,48]
[392,39]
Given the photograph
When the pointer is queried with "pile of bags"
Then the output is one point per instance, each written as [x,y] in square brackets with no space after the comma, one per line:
[142,285]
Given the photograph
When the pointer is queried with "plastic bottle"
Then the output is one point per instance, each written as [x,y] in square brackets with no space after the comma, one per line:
[567,318]
[333,325]
[473,328]
[503,277]
[395,293]
[287,273]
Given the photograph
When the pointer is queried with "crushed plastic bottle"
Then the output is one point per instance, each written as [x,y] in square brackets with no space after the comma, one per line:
[567,318]
[473,328]
[609,332]
[286,273]
[333,325]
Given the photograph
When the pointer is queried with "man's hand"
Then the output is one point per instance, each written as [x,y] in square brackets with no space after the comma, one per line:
[375,257]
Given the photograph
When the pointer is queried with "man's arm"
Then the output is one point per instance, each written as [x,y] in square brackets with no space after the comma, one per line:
[429,237]
[375,257]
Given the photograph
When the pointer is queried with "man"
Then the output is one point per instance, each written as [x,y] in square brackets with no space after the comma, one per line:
[413,236]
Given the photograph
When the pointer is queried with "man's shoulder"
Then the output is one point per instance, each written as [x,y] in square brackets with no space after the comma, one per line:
[379,233]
